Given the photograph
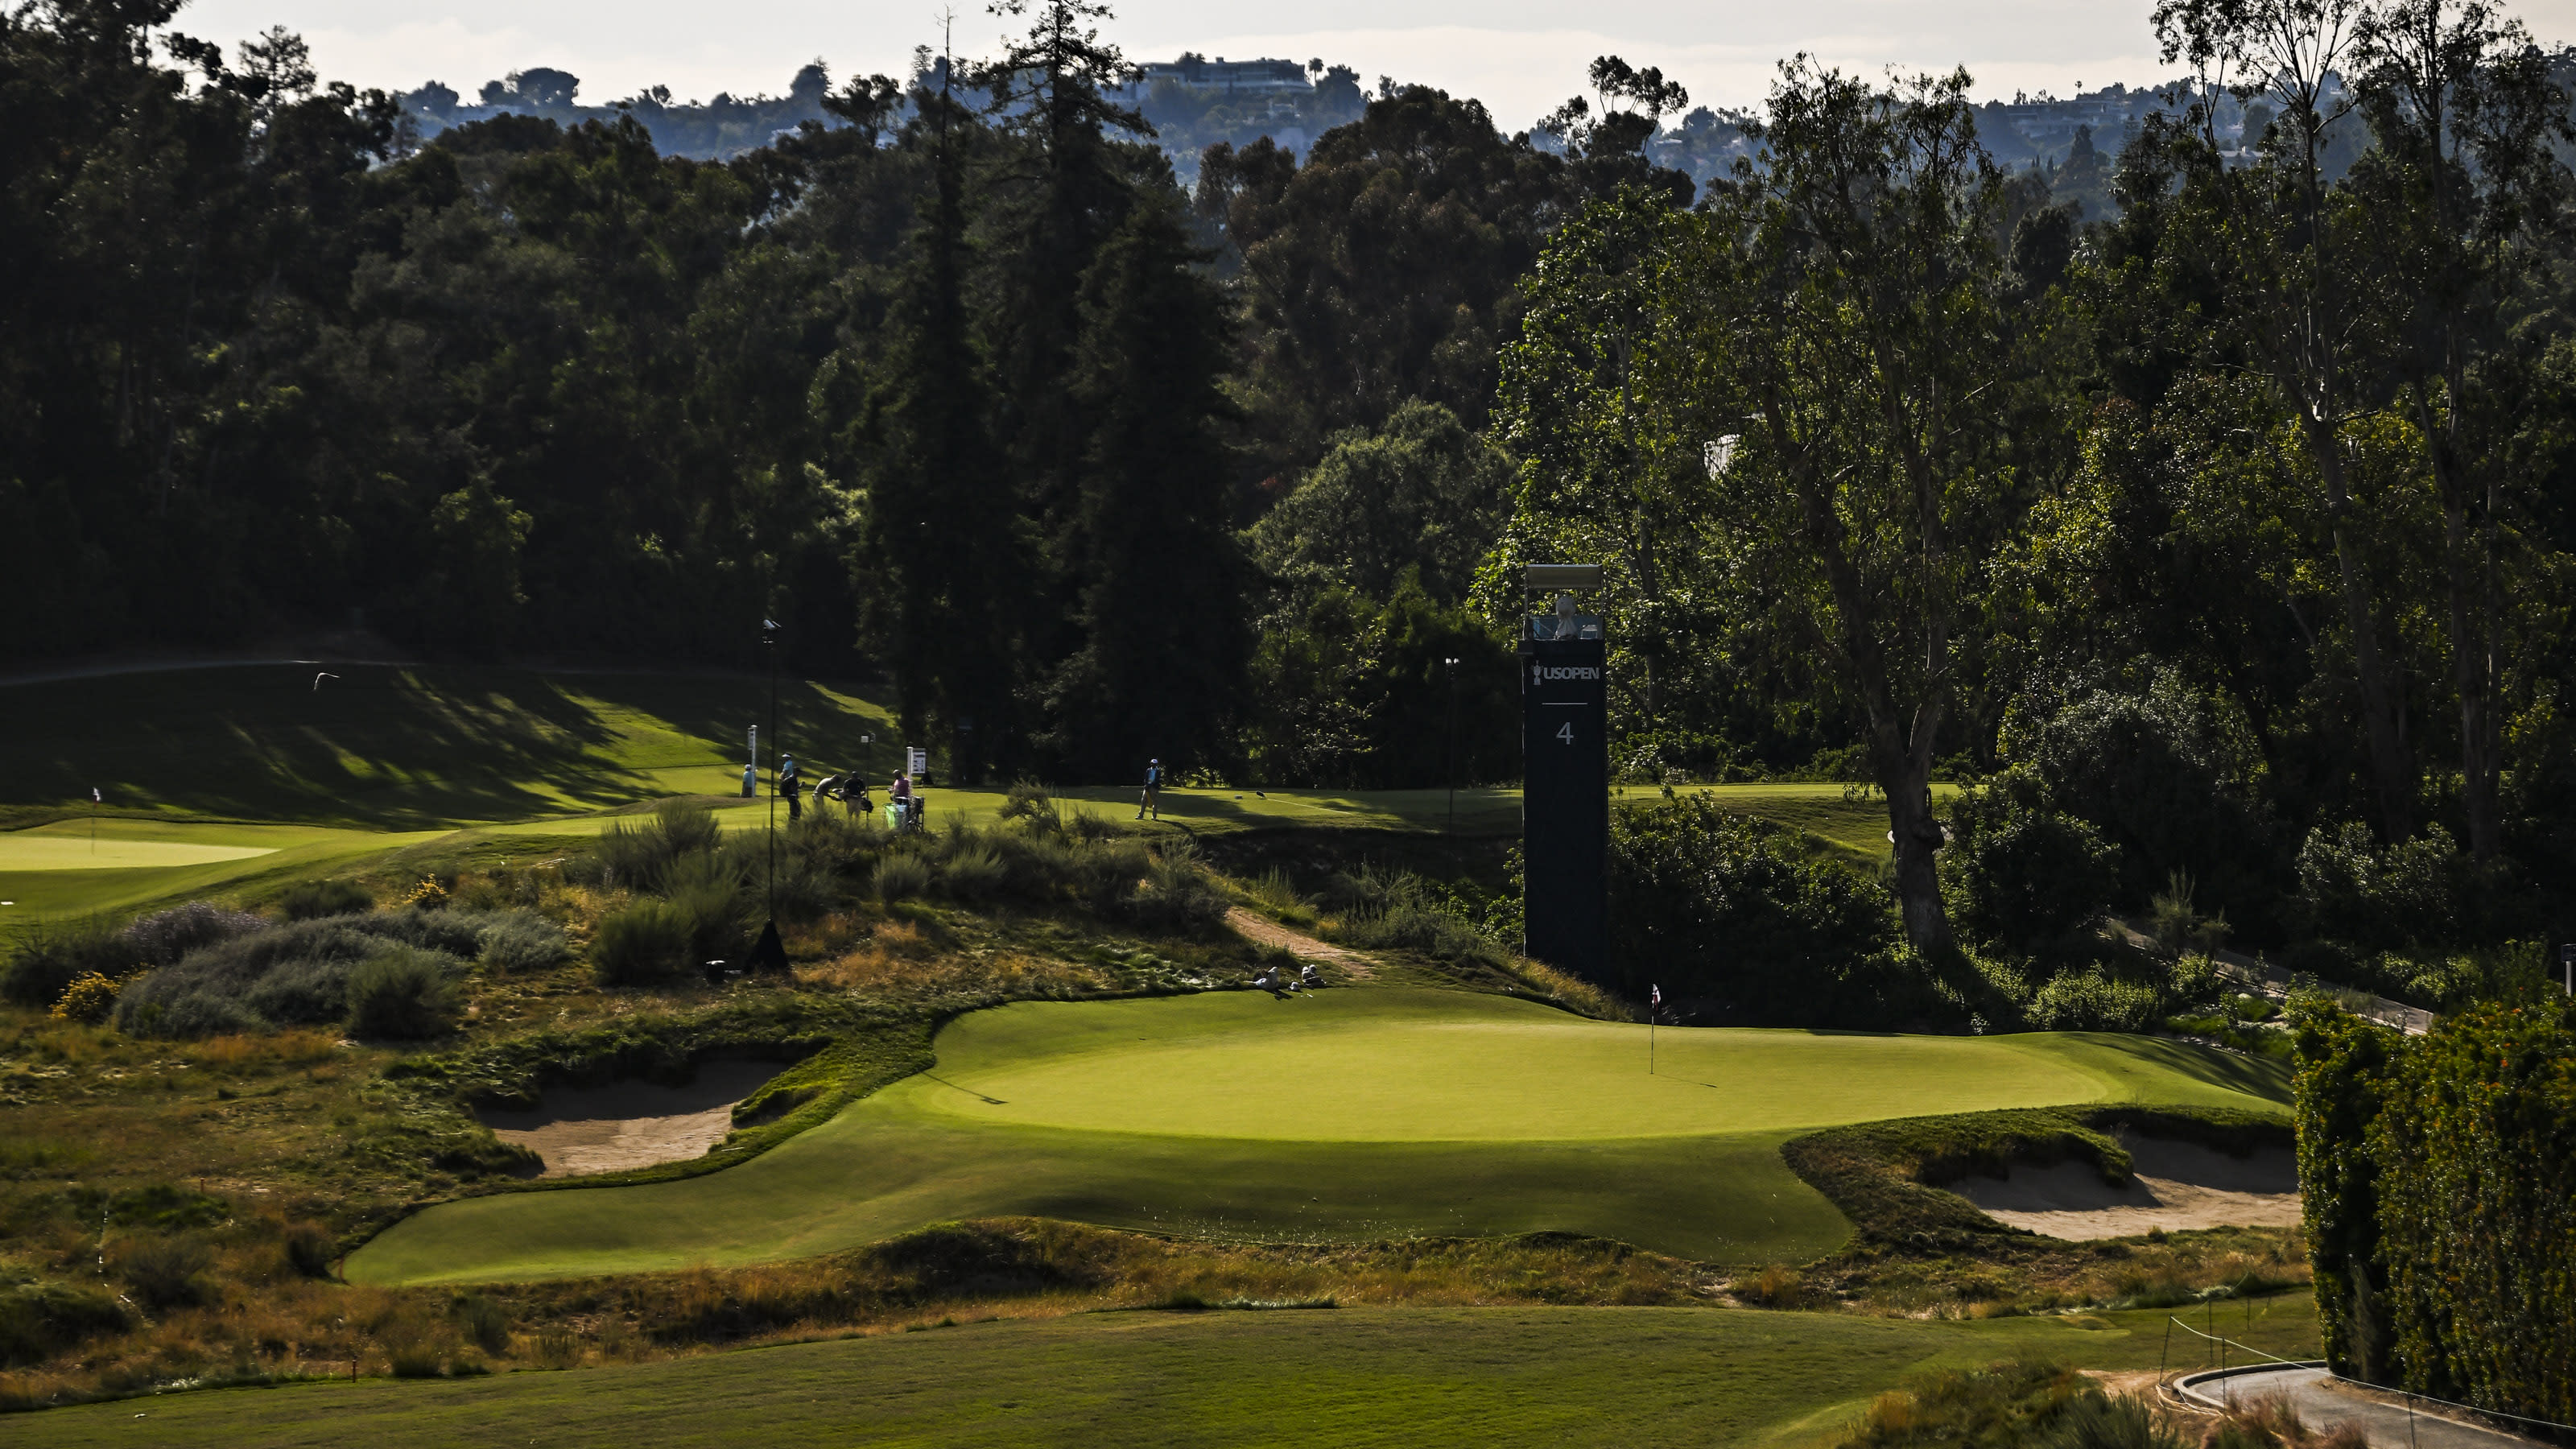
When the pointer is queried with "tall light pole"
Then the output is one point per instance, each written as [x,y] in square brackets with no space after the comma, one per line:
[770,953]
[1452,665]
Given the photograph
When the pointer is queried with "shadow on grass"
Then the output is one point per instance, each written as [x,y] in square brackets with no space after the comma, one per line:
[393,747]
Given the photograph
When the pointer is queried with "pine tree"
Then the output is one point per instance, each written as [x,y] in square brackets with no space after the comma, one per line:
[942,528]
[1160,669]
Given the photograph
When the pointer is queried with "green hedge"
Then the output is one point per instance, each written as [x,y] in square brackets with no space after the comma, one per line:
[2440,1181]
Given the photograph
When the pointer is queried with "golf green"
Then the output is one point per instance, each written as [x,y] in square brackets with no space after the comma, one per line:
[1353,1114]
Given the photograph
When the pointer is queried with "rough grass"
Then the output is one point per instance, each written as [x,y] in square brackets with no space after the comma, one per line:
[945,1373]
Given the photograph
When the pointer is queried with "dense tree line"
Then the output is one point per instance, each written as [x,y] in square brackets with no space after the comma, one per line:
[2222,539]
[2225,540]
[959,384]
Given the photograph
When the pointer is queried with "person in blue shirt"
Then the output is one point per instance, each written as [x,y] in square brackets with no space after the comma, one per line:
[1152,799]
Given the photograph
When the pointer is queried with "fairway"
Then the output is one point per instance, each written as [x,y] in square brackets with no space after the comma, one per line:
[1357,1114]
[388,757]
[1352,1376]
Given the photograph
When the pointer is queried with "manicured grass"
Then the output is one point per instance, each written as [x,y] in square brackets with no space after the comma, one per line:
[384,758]
[407,747]
[1355,1376]
[1361,1113]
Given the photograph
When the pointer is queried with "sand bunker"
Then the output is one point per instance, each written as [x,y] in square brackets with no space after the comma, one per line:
[578,1130]
[2178,1185]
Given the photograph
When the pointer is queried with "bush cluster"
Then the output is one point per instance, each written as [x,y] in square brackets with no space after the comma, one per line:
[2439,1174]
[48,959]
[698,892]
[2023,877]
[1739,922]
[1401,911]
[384,973]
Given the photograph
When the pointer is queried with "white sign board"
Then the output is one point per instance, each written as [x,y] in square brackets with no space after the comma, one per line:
[755,744]
[915,760]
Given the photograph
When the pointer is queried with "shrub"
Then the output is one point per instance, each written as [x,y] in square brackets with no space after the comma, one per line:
[162,937]
[88,999]
[453,933]
[2025,875]
[1403,912]
[308,1249]
[707,894]
[2088,1001]
[640,857]
[2167,776]
[208,992]
[1028,800]
[404,993]
[2096,1422]
[40,1320]
[518,941]
[1175,896]
[193,1017]
[974,872]
[485,1322]
[2004,1403]
[902,877]
[302,992]
[1736,917]
[314,899]
[166,1272]
[47,959]
[2408,893]
[644,942]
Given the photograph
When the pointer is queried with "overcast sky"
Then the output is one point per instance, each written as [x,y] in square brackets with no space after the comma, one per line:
[1519,56]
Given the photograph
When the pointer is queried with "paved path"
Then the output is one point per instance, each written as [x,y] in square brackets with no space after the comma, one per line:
[2323,1403]
[2270,981]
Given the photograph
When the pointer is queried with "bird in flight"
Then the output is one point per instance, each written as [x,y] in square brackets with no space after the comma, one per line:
[317,680]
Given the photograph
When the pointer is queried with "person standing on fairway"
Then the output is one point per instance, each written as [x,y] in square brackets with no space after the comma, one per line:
[1152,799]
[790,785]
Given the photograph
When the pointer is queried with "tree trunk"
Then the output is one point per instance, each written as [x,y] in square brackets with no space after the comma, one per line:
[1900,751]
[1905,774]
[2392,774]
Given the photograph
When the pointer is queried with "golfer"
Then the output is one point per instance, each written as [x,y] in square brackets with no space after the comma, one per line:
[789,784]
[1152,799]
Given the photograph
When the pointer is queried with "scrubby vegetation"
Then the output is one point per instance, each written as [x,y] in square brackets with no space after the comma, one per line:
[2016,1403]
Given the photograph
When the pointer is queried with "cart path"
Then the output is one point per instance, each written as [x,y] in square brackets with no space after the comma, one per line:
[2323,1402]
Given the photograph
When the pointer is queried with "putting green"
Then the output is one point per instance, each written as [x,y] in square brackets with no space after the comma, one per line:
[27,850]
[1356,1114]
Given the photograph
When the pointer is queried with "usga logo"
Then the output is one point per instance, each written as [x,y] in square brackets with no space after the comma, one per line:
[1540,673]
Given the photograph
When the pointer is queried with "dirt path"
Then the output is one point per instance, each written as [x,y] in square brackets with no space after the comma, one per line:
[1262,930]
